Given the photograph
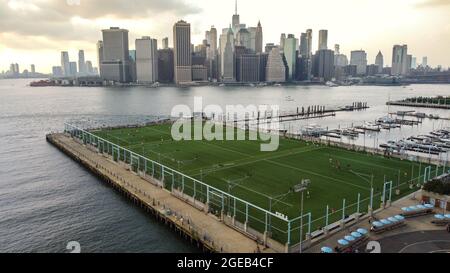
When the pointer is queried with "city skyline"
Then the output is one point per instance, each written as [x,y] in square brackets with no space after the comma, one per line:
[41,47]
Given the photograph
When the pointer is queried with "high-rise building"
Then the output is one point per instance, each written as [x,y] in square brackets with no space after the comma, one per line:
[290,54]
[414,63]
[268,48]
[399,60]
[243,38]
[165,43]
[340,60]
[359,58]
[337,49]
[89,68]
[133,73]
[115,65]
[165,65]
[324,64]
[408,63]
[65,63]
[213,42]
[306,54]
[100,55]
[235,22]
[182,52]
[146,60]
[81,62]
[249,67]
[323,39]
[379,61]
[227,56]
[282,41]
[275,68]
[73,69]
[33,69]
[425,61]
[259,38]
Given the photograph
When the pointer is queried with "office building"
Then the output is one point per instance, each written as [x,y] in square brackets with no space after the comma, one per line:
[182,52]
[399,60]
[115,64]
[323,64]
[275,68]
[81,62]
[165,66]
[65,63]
[146,60]
[290,54]
[165,43]
[379,61]
[359,58]
[323,39]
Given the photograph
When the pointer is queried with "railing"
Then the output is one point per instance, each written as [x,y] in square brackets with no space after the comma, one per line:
[247,217]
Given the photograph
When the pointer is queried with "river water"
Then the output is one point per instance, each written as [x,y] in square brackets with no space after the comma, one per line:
[48,200]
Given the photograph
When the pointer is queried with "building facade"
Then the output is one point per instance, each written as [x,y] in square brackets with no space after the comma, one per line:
[275,68]
[182,52]
[115,65]
[359,58]
[146,60]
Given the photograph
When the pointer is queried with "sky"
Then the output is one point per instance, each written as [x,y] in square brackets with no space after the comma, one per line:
[35,31]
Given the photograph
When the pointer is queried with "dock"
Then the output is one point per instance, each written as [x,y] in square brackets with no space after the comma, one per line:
[205,230]
[417,104]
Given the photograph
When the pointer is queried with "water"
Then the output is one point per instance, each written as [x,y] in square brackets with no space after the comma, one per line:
[47,200]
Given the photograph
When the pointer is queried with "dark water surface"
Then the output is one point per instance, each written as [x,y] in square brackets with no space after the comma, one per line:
[47,200]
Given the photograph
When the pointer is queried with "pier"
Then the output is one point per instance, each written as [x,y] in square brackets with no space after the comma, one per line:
[301,113]
[417,104]
[208,232]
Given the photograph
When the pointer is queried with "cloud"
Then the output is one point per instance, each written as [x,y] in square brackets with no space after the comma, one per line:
[433,3]
[78,20]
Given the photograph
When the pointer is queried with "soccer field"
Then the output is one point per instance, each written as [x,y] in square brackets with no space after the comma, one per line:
[266,179]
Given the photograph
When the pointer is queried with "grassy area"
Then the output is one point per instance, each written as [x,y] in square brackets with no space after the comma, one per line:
[266,179]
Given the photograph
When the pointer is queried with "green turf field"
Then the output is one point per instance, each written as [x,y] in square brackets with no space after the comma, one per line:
[266,178]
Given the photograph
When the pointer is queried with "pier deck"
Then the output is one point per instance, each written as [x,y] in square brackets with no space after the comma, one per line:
[203,228]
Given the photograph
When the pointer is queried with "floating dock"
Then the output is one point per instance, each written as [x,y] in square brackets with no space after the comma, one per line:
[205,230]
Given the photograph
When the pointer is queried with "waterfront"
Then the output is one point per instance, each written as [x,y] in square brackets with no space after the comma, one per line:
[48,200]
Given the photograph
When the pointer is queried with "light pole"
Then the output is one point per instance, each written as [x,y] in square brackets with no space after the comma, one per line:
[303,186]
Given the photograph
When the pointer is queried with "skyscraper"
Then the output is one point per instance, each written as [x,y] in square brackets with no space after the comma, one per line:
[147,60]
[275,69]
[243,38]
[81,62]
[379,60]
[425,61]
[399,60]
[323,39]
[290,53]
[165,43]
[73,69]
[33,69]
[359,58]
[306,53]
[227,56]
[100,55]
[282,41]
[235,20]
[182,52]
[249,67]
[259,39]
[324,64]
[65,63]
[115,65]
[165,65]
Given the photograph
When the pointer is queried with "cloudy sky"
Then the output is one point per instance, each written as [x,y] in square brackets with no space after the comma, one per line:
[35,31]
